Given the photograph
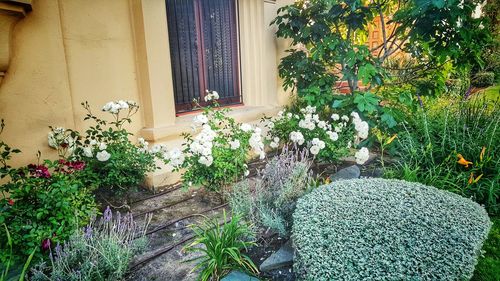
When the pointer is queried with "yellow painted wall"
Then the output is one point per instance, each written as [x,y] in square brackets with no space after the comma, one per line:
[68,51]
[35,91]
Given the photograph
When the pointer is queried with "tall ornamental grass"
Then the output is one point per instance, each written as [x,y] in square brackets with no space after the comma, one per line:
[455,148]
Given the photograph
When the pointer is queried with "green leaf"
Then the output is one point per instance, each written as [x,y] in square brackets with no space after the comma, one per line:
[366,102]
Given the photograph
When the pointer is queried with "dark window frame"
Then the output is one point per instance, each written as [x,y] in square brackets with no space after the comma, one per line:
[194,83]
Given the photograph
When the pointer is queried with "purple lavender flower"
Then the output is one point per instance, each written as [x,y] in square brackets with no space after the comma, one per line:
[88,232]
[108,214]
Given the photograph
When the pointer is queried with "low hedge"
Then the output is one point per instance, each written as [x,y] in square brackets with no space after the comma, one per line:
[377,229]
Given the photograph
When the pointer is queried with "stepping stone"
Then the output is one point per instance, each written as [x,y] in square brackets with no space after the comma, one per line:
[351,172]
[238,276]
[283,257]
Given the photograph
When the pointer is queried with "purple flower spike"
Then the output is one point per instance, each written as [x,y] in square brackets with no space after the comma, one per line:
[107,214]
[88,232]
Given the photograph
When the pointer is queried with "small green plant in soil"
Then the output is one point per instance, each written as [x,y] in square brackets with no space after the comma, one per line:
[221,247]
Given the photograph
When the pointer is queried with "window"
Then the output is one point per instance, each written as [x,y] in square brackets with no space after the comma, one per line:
[204,50]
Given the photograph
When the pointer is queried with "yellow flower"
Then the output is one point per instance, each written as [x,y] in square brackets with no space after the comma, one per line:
[482,153]
[391,139]
[462,161]
[474,180]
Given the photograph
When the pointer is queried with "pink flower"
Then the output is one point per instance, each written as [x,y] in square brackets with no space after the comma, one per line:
[46,244]
[39,171]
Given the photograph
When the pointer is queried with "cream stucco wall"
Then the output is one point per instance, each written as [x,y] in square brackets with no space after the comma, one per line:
[68,51]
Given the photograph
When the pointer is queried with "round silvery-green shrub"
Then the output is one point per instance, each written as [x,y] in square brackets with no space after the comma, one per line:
[376,229]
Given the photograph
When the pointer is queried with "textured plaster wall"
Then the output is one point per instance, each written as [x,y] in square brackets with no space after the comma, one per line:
[65,52]
[35,91]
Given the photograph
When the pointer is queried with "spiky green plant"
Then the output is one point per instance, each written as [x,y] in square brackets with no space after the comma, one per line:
[221,247]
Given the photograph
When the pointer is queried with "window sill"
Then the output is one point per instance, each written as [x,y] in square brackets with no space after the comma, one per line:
[243,114]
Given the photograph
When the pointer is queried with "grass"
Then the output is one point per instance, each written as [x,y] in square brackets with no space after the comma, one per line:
[490,94]
[488,267]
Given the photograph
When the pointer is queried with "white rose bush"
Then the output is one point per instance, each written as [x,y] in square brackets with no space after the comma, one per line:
[111,159]
[215,154]
[328,139]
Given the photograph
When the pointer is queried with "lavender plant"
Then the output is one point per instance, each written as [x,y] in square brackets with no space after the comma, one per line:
[271,202]
[100,251]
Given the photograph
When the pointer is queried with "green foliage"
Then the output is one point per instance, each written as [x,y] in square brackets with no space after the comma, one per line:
[488,267]
[431,147]
[217,156]
[41,203]
[100,251]
[483,79]
[6,153]
[329,40]
[222,247]
[45,204]
[387,230]
[112,160]
[271,202]
[6,273]
[329,35]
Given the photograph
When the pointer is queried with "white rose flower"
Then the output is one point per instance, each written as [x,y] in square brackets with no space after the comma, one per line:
[345,118]
[103,146]
[354,115]
[94,142]
[297,137]
[274,144]
[362,156]
[108,106]
[246,127]
[289,115]
[333,135]
[52,140]
[87,152]
[200,120]
[155,149]
[123,104]
[262,155]
[115,108]
[335,117]
[234,144]
[314,150]
[206,160]
[103,156]
[321,124]
[215,95]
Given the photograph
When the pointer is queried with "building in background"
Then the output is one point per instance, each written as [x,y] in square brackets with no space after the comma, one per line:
[55,54]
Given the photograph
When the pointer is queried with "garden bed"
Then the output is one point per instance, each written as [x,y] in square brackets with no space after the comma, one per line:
[174,209]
